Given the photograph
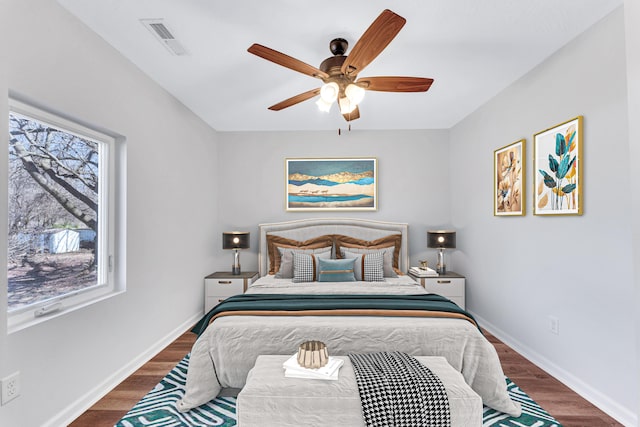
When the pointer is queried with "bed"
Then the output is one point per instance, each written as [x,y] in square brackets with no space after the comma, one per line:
[295,259]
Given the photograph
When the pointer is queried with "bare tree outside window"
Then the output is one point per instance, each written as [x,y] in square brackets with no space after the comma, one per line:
[53,212]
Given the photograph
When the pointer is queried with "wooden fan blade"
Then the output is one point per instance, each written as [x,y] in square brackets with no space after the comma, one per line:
[395,84]
[355,114]
[286,61]
[373,41]
[295,100]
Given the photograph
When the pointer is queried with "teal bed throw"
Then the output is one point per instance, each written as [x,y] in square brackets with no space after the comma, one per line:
[331,304]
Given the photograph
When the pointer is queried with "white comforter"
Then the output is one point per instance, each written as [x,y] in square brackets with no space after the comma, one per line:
[223,355]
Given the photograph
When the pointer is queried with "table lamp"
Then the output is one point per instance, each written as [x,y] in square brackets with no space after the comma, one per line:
[441,239]
[235,240]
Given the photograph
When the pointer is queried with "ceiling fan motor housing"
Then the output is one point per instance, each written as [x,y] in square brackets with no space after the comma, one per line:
[338,46]
[333,65]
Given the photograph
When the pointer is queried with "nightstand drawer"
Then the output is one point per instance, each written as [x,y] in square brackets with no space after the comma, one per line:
[225,287]
[213,300]
[445,286]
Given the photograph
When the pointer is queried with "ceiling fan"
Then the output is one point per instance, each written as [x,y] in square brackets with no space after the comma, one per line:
[339,72]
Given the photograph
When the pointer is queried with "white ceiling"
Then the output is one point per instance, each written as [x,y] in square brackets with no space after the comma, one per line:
[472,48]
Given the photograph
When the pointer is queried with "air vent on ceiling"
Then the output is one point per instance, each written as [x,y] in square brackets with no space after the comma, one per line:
[161,32]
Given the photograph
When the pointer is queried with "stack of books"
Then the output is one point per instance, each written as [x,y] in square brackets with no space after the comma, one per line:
[423,272]
[328,372]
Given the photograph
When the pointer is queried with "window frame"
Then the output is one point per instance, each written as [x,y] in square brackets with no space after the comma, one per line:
[23,317]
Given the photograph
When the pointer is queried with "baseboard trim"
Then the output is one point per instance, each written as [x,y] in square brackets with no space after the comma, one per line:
[602,401]
[77,408]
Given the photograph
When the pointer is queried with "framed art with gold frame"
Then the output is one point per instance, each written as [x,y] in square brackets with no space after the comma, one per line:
[557,160]
[509,179]
[340,184]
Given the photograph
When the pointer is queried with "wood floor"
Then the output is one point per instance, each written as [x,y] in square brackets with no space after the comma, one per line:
[565,405]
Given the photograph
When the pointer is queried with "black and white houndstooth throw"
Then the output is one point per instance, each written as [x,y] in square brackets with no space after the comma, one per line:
[397,390]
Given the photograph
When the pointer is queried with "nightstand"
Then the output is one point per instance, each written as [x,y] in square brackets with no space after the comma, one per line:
[449,285]
[223,284]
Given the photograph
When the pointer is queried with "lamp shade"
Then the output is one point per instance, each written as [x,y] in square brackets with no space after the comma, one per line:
[441,239]
[355,93]
[235,240]
[323,105]
[346,106]
[329,92]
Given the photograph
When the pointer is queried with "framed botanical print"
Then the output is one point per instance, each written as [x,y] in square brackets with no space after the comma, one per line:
[508,178]
[557,157]
[348,184]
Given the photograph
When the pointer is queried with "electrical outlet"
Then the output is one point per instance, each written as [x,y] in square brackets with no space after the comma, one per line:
[554,325]
[10,387]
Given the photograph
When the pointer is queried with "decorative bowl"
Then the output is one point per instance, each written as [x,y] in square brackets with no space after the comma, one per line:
[313,354]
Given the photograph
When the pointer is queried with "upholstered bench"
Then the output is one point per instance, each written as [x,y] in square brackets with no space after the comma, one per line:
[271,399]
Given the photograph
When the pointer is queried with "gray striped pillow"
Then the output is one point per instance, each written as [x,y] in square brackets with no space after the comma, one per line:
[368,266]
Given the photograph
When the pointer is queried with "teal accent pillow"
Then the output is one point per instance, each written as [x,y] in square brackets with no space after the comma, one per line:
[336,270]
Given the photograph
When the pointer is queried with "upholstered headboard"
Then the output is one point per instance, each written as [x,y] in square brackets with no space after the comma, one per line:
[305,229]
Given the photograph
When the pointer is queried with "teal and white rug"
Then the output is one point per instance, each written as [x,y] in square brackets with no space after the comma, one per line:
[157,408]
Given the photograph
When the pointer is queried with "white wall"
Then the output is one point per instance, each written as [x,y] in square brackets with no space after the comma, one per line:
[170,213]
[412,185]
[522,269]
[632,20]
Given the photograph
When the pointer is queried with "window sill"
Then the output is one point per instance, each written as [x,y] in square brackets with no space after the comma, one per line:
[25,320]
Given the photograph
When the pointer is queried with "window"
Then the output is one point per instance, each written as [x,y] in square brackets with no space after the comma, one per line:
[61,215]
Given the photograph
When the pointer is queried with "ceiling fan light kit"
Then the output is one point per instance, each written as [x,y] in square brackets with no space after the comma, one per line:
[329,92]
[323,105]
[339,72]
[354,93]
[348,98]
[346,106]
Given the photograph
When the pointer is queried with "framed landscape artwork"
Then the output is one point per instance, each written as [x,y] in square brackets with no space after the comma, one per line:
[508,178]
[557,157]
[331,184]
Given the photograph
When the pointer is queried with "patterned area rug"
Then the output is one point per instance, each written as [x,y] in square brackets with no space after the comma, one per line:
[157,408]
